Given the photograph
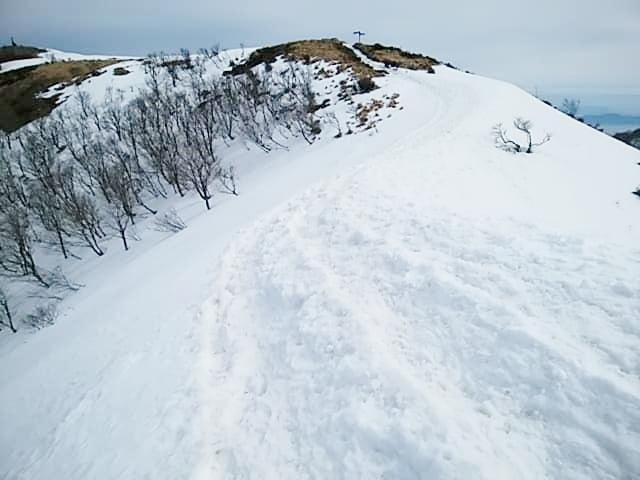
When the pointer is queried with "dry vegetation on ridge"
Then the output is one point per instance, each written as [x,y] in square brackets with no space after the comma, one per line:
[330,50]
[9,53]
[395,57]
[19,89]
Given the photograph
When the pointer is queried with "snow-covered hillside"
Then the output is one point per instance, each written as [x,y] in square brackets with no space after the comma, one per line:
[405,302]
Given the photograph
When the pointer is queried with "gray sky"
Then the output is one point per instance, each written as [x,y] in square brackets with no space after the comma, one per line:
[590,47]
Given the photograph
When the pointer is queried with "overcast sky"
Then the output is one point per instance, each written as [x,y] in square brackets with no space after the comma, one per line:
[555,45]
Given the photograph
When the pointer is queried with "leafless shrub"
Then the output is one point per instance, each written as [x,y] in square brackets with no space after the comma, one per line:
[59,282]
[332,120]
[570,106]
[43,316]
[17,243]
[169,222]
[6,315]
[504,142]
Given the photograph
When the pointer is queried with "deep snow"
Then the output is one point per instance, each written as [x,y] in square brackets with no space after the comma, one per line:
[410,303]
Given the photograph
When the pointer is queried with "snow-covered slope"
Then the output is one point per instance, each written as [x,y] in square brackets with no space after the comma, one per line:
[410,303]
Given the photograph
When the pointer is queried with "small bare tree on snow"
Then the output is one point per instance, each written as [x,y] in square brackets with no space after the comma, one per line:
[199,172]
[227,178]
[504,142]
[169,222]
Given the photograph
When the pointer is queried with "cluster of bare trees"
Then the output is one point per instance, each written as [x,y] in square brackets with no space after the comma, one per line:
[87,172]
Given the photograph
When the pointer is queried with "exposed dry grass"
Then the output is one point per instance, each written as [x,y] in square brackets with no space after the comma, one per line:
[395,57]
[310,51]
[19,52]
[19,104]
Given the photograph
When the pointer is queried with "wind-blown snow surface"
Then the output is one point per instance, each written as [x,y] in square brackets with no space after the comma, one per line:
[410,304]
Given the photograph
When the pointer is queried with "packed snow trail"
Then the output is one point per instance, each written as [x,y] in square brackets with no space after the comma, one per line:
[357,337]
[410,304]
[375,327]
[109,391]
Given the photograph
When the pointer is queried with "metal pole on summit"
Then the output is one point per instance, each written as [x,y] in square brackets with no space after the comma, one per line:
[359,34]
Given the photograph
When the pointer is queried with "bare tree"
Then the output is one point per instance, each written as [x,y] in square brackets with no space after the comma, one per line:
[42,316]
[525,127]
[12,181]
[17,240]
[227,179]
[225,100]
[126,179]
[6,316]
[118,220]
[200,171]
[48,210]
[332,120]
[502,141]
[160,136]
[302,106]
[152,70]
[39,160]
[82,213]
[113,112]
[571,106]
[212,54]
[139,164]
[172,66]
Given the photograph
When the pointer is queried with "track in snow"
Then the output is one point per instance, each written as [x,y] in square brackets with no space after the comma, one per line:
[363,332]
[440,309]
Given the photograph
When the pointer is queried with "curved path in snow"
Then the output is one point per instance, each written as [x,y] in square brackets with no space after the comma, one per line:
[375,327]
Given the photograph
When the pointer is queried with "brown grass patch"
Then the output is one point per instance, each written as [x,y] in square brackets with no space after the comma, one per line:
[19,52]
[368,110]
[310,51]
[395,57]
[19,104]
[120,71]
